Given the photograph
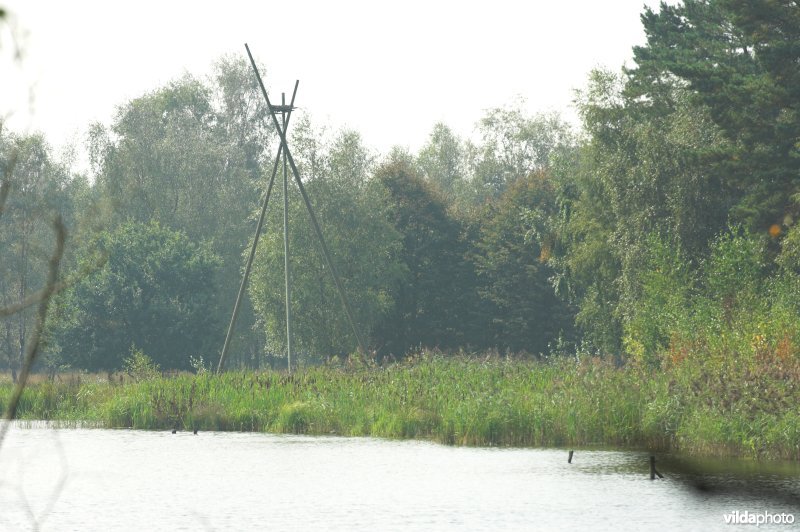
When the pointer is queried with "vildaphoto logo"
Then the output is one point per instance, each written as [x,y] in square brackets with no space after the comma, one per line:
[758,518]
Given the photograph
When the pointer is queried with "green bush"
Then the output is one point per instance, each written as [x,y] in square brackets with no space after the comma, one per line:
[140,366]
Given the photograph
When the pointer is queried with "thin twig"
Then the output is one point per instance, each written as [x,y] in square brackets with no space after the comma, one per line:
[33,346]
[5,186]
[37,296]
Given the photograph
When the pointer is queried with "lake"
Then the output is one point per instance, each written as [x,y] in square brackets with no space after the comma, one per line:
[98,479]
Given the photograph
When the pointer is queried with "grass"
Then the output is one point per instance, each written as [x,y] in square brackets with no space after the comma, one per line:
[454,400]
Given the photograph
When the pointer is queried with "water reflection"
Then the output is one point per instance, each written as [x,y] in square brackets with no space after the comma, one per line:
[94,479]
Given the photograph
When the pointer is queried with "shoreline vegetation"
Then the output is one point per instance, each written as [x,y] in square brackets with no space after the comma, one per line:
[700,409]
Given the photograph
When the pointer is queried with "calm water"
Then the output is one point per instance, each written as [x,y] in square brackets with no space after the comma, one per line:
[93,479]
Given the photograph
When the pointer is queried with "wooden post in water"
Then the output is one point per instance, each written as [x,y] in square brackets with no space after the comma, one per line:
[653,471]
[569,460]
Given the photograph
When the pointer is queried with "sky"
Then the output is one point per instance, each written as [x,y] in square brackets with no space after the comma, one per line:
[387,70]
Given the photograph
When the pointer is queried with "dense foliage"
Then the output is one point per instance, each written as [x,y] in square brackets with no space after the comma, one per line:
[152,293]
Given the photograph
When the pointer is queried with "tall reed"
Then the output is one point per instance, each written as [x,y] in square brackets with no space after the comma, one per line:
[454,400]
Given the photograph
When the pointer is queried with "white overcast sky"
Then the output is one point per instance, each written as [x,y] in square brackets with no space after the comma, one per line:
[387,69]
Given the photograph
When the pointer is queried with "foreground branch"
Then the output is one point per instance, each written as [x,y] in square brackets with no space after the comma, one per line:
[39,295]
[33,346]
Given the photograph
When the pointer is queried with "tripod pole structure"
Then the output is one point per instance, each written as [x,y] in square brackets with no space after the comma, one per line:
[248,266]
[314,223]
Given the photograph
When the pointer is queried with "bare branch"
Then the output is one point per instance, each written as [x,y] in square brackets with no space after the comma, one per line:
[37,296]
[5,186]
[33,346]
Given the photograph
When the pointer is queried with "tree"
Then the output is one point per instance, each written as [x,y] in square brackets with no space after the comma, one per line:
[37,191]
[515,277]
[740,61]
[443,161]
[433,304]
[641,170]
[153,294]
[700,133]
[513,146]
[191,155]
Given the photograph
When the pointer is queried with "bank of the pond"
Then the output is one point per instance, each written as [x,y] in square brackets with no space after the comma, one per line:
[462,401]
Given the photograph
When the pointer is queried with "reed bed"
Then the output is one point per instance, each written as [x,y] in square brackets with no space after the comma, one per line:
[453,400]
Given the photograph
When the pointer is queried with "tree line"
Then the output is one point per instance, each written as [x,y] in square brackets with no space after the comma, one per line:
[664,223]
